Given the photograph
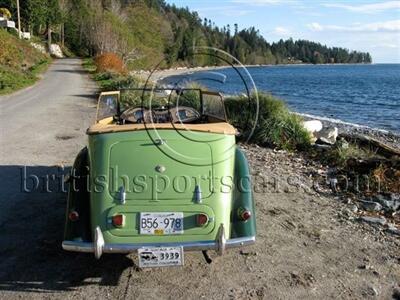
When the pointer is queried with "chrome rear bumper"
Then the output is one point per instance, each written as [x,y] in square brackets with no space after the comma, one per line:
[99,247]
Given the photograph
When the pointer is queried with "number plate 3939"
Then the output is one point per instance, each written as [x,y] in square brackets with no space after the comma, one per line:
[161,223]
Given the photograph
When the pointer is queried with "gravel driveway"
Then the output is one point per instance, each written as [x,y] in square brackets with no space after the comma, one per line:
[306,247]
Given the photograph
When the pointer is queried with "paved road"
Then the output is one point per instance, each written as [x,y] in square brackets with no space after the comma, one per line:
[36,121]
[42,129]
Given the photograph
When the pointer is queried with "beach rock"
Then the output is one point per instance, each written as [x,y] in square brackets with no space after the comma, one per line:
[371,206]
[327,135]
[56,51]
[396,293]
[320,148]
[354,208]
[373,220]
[393,229]
[371,290]
[312,126]
[390,203]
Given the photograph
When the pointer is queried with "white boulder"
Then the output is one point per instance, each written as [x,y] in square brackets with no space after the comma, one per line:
[327,135]
[56,51]
[26,35]
[312,126]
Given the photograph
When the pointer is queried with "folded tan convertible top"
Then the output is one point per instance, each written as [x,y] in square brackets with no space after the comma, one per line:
[222,127]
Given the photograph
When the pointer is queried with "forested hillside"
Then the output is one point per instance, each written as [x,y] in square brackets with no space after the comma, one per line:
[144,32]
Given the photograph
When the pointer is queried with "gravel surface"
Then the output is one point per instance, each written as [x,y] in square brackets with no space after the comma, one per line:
[310,242]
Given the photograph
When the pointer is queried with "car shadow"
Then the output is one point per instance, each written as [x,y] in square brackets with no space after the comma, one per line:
[74,71]
[31,232]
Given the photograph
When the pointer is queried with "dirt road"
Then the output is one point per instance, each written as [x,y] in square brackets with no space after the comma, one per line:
[307,246]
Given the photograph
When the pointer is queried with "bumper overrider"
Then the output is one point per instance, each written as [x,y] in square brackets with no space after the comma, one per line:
[98,247]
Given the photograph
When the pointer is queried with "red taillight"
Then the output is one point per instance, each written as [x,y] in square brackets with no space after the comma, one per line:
[118,220]
[244,214]
[73,216]
[202,219]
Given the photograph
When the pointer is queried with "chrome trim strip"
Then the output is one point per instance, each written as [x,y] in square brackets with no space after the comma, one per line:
[122,195]
[187,246]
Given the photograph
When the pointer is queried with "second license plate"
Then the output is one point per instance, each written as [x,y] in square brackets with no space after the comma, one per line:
[161,223]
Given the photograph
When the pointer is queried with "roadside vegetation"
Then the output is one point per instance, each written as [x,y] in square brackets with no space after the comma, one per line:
[108,72]
[276,125]
[20,63]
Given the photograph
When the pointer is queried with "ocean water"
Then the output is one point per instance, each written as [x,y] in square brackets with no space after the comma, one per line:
[367,95]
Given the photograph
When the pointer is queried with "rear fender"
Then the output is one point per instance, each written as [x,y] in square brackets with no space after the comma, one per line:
[78,200]
[242,198]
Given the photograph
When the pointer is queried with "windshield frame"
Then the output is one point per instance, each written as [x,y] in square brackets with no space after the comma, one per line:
[178,90]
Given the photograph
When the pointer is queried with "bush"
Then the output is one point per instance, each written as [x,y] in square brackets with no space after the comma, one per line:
[5,13]
[109,62]
[340,156]
[276,125]
[110,81]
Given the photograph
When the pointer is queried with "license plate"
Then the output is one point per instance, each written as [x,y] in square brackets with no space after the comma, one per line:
[157,223]
[160,257]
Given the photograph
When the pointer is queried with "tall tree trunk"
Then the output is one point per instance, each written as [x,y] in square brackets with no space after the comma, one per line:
[62,34]
[19,20]
[48,35]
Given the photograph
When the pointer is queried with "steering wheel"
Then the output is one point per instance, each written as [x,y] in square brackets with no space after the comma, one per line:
[184,114]
[138,115]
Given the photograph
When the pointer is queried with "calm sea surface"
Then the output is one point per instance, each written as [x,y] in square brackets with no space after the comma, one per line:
[361,94]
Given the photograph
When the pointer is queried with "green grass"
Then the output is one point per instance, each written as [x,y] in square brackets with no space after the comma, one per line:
[12,79]
[88,65]
[20,63]
[339,155]
[276,126]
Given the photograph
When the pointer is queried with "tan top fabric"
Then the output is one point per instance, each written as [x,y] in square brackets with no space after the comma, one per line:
[224,128]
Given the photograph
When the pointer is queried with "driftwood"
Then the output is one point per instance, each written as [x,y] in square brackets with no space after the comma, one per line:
[373,144]
[365,166]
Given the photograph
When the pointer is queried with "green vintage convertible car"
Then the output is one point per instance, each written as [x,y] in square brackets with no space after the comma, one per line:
[161,175]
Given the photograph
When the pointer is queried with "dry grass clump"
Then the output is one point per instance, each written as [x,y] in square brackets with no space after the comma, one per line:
[109,62]
[388,178]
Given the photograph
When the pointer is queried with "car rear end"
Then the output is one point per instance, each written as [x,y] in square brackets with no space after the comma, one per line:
[161,192]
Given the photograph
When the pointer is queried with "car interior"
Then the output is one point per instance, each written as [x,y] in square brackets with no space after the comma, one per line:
[180,114]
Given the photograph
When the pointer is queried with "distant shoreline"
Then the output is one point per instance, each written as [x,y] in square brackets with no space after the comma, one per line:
[162,73]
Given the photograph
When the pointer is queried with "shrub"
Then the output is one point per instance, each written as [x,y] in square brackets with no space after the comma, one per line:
[340,156]
[110,81]
[276,126]
[109,62]
[5,13]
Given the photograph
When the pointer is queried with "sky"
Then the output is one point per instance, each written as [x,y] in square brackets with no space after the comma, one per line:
[364,25]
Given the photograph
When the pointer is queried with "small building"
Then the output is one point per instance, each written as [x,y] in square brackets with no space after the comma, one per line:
[4,23]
